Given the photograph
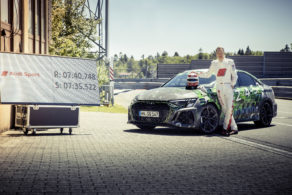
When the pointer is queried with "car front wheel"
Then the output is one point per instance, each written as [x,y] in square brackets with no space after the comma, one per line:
[209,119]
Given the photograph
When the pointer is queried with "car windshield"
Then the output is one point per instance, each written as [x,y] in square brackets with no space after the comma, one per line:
[180,80]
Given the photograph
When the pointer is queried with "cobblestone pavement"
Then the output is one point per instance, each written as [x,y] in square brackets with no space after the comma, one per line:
[107,156]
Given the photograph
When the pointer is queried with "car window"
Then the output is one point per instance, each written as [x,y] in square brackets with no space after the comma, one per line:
[180,80]
[245,79]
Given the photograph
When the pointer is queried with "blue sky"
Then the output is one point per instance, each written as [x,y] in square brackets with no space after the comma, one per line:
[148,26]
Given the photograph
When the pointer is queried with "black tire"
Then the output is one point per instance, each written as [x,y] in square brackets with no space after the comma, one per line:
[266,115]
[209,119]
[146,127]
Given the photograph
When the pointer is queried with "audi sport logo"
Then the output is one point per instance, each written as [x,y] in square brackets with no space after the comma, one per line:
[4,73]
[19,74]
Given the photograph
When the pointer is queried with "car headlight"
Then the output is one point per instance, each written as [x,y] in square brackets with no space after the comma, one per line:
[185,103]
[134,100]
[191,102]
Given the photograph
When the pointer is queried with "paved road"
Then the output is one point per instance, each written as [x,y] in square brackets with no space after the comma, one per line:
[107,156]
[279,134]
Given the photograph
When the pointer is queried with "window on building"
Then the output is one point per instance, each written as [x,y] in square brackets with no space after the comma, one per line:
[17,14]
[31,16]
[38,18]
[43,20]
[5,11]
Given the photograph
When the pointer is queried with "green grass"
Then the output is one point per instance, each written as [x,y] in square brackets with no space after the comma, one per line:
[112,109]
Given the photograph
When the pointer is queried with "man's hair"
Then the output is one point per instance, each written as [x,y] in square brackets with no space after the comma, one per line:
[219,48]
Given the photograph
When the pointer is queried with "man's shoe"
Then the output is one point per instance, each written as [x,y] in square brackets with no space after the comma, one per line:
[225,132]
[233,132]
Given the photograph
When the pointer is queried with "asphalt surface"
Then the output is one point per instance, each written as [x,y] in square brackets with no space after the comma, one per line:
[107,156]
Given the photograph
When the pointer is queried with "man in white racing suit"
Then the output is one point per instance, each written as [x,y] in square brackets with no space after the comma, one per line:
[226,78]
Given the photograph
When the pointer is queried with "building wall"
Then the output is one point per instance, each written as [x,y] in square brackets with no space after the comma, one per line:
[25,23]
[24,29]
[5,117]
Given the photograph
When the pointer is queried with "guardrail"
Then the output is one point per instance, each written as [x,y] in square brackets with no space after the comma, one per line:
[282,86]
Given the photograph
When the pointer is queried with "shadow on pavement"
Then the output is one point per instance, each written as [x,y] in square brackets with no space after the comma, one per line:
[192,132]
[170,132]
[40,133]
[250,126]
[125,91]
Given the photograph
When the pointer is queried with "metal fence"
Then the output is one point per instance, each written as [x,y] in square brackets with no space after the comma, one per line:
[106,94]
[271,64]
[126,73]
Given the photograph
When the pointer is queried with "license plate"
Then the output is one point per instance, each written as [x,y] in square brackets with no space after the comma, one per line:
[154,114]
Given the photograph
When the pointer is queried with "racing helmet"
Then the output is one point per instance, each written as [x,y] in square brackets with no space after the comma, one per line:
[192,80]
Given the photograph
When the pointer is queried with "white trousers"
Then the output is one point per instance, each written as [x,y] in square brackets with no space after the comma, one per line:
[225,97]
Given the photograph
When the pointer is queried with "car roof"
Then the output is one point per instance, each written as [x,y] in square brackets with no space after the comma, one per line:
[206,69]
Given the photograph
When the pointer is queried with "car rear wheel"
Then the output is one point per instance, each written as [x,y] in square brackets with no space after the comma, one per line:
[146,127]
[209,119]
[266,115]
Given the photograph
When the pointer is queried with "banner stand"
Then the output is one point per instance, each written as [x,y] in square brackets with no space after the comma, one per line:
[47,90]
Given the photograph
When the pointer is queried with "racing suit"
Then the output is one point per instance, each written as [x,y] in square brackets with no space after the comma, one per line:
[226,78]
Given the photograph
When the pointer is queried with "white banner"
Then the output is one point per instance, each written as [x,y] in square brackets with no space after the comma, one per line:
[36,79]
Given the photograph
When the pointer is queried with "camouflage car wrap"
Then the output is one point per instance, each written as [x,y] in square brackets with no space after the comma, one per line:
[180,107]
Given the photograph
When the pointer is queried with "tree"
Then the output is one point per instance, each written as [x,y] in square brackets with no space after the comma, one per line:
[102,75]
[130,64]
[257,53]
[116,58]
[239,52]
[229,54]
[164,54]
[72,33]
[247,51]
[213,55]
[125,58]
[286,49]
[157,55]
[200,54]
[176,54]
[144,68]
[150,57]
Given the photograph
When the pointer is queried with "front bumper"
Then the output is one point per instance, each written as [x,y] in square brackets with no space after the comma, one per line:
[182,117]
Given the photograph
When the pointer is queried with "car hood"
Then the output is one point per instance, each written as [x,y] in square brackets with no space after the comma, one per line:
[169,93]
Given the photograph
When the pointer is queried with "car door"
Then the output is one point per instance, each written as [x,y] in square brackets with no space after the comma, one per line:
[245,96]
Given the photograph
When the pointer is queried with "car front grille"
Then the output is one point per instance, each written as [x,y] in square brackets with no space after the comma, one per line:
[162,108]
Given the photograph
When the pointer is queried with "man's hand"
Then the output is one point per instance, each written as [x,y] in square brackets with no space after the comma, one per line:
[202,88]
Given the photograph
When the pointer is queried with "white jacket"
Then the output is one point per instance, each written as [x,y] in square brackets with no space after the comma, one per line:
[224,71]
